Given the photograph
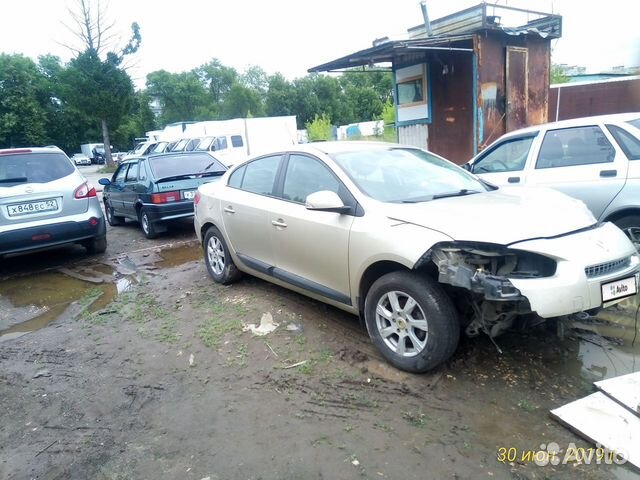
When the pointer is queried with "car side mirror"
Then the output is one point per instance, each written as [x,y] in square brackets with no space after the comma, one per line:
[104,181]
[326,201]
[468,167]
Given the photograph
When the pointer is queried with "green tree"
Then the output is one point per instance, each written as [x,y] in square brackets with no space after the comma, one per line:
[22,117]
[557,74]
[280,96]
[100,91]
[182,96]
[319,128]
[218,79]
[242,101]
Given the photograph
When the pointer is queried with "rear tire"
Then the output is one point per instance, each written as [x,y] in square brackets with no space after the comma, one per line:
[218,259]
[148,228]
[630,225]
[96,245]
[412,321]
[113,220]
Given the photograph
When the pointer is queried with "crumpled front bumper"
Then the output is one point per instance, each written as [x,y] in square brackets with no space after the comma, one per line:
[570,289]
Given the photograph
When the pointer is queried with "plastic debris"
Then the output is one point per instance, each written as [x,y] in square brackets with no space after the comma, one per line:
[267,325]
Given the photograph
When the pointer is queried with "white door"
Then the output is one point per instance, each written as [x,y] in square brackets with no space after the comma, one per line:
[582,162]
[504,163]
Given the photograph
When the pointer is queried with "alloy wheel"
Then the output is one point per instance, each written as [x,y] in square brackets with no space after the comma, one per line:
[402,323]
[215,255]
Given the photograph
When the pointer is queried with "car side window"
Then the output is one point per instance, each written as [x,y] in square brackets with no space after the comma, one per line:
[220,143]
[509,156]
[571,147]
[260,175]
[629,143]
[235,180]
[306,175]
[236,141]
[118,177]
[132,173]
[142,172]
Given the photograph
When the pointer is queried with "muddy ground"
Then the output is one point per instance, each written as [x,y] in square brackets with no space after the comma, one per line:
[137,366]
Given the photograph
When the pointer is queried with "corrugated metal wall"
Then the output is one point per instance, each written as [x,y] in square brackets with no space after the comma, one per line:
[602,98]
[414,135]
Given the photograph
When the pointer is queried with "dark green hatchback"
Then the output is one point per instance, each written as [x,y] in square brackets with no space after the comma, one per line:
[156,189]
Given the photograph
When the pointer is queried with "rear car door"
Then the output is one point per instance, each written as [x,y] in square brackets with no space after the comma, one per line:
[583,162]
[311,247]
[504,162]
[246,203]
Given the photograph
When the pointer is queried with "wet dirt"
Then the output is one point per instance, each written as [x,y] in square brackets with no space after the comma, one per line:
[155,378]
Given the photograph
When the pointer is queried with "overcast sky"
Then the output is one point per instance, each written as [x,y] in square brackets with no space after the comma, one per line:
[291,36]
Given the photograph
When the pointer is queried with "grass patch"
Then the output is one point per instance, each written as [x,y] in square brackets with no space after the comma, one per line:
[526,406]
[213,330]
[417,419]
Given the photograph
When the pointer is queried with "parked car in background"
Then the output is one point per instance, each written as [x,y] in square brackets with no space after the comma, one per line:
[594,159]
[45,201]
[80,159]
[414,244]
[156,189]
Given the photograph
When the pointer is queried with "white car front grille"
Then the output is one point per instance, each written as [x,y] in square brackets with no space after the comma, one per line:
[607,268]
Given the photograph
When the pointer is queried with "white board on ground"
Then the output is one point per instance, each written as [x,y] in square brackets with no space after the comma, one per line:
[624,389]
[604,421]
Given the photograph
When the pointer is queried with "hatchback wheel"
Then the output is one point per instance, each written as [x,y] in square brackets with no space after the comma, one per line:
[219,262]
[148,228]
[412,321]
[630,225]
[113,220]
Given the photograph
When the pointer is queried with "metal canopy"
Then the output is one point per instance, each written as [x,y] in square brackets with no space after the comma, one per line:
[389,51]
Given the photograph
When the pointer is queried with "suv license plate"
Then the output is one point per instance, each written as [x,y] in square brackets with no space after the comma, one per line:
[618,289]
[27,208]
[188,194]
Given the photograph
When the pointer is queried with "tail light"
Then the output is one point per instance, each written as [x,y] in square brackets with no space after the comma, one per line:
[196,198]
[165,197]
[86,190]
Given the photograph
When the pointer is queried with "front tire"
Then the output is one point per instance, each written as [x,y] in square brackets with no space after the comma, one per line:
[218,259]
[630,225]
[412,321]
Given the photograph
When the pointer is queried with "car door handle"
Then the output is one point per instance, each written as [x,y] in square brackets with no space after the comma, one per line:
[229,209]
[513,179]
[608,173]
[279,223]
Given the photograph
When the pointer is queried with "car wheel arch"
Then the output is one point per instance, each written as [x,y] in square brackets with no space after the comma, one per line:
[618,214]
[371,274]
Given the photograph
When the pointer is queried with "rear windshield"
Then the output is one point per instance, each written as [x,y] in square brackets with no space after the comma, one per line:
[176,165]
[33,168]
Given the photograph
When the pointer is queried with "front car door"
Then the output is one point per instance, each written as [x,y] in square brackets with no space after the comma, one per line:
[311,247]
[246,203]
[115,188]
[582,162]
[129,191]
[504,162]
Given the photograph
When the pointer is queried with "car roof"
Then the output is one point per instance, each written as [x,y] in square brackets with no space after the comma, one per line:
[343,146]
[576,122]
[25,150]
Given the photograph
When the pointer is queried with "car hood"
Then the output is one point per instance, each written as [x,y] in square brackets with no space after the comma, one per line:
[502,216]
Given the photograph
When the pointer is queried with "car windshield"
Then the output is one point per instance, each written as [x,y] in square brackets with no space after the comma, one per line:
[635,123]
[33,168]
[406,175]
[177,165]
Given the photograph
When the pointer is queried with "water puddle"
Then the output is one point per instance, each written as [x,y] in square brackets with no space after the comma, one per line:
[32,302]
[609,344]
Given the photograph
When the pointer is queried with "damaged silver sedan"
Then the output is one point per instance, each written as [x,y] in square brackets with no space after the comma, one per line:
[418,247]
